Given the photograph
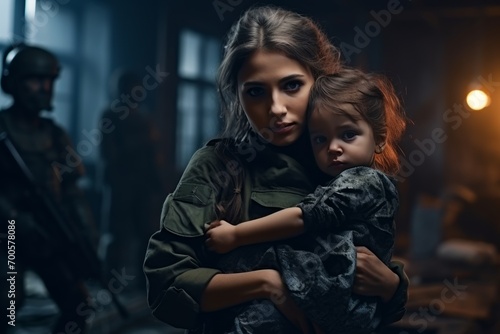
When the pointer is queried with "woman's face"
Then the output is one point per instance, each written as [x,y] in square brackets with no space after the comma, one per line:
[274,91]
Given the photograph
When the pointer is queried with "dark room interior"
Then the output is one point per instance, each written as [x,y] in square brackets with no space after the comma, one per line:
[156,60]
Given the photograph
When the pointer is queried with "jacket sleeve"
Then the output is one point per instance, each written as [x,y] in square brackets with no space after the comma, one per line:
[175,261]
[176,279]
[395,308]
[357,193]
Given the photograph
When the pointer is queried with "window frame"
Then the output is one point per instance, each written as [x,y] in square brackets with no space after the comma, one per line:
[203,85]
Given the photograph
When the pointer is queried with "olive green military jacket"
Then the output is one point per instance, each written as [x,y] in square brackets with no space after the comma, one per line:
[177,265]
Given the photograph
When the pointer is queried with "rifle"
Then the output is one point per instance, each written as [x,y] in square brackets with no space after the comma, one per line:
[75,251]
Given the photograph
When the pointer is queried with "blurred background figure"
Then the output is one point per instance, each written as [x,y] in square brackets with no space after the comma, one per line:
[133,187]
[28,75]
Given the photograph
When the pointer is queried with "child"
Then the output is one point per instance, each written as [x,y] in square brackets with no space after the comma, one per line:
[355,121]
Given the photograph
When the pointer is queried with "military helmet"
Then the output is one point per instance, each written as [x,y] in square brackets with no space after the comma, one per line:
[21,60]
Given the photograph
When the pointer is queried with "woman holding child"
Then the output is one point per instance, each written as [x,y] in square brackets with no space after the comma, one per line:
[264,164]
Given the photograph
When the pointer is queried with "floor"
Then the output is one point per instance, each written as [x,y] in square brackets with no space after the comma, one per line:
[39,313]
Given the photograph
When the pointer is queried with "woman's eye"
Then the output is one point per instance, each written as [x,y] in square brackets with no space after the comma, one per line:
[255,91]
[293,86]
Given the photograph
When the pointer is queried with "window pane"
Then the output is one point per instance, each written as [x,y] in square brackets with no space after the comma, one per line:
[93,68]
[64,83]
[211,55]
[210,115]
[189,54]
[63,112]
[52,26]
[5,101]
[187,107]
[6,19]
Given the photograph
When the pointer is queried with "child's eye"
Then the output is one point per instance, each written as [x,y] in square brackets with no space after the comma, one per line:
[255,91]
[318,140]
[293,86]
[349,135]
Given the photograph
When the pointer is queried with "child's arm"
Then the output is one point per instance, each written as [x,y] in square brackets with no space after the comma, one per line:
[222,237]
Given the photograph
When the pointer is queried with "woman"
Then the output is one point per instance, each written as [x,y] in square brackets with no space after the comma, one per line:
[265,164]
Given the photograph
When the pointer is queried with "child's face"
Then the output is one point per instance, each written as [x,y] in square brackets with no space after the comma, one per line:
[339,142]
[274,91]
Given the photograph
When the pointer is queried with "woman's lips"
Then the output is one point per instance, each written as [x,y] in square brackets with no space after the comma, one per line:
[281,127]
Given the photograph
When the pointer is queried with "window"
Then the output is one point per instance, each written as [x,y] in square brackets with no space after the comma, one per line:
[6,34]
[51,25]
[197,109]
[6,20]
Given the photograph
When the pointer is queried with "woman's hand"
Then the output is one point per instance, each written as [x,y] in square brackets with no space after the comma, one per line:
[221,237]
[373,277]
[281,298]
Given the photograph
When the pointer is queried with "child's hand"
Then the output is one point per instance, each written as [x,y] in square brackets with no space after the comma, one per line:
[221,237]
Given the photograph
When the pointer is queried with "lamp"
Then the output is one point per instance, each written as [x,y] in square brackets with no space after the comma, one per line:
[478,99]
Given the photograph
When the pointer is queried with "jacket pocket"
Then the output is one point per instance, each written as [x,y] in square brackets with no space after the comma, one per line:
[277,199]
[188,209]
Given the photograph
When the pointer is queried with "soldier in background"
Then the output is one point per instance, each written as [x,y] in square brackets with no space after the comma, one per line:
[28,75]
[134,188]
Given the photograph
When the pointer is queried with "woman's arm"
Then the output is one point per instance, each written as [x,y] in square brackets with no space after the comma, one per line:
[223,237]
[225,290]
[180,290]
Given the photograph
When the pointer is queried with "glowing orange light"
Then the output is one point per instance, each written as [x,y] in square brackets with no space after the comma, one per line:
[477,99]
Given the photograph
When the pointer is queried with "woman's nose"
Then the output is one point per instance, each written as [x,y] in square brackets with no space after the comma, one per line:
[278,107]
